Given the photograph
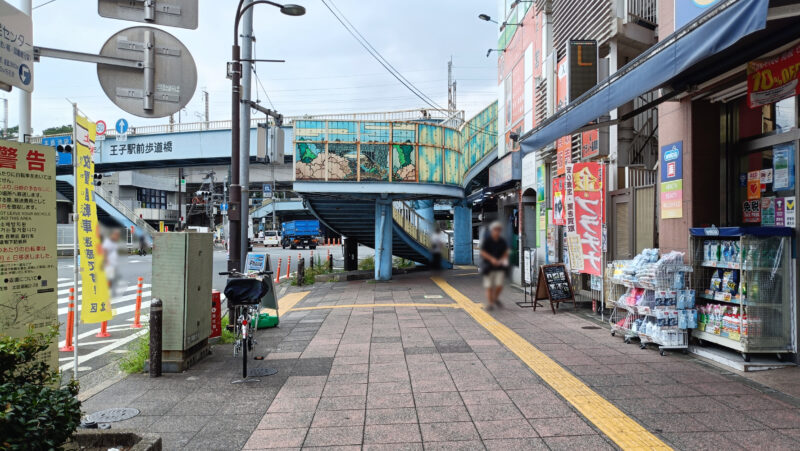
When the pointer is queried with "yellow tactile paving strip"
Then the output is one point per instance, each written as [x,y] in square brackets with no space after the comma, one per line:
[623,430]
[408,304]
[286,303]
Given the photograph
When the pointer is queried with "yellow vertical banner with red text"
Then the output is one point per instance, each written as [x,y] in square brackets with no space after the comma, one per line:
[95,298]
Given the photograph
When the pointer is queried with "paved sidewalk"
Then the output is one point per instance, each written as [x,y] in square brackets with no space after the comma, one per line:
[407,365]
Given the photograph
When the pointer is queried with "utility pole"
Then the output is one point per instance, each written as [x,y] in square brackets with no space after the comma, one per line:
[451,87]
[5,118]
[205,101]
[25,130]
[244,126]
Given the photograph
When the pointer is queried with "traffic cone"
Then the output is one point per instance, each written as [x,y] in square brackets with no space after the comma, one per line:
[103,330]
[70,323]
[136,324]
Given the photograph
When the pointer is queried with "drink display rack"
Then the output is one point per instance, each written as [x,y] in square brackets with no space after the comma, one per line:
[652,301]
[743,286]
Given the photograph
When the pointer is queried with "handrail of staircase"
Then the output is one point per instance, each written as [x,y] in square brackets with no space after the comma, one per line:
[124,209]
[417,227]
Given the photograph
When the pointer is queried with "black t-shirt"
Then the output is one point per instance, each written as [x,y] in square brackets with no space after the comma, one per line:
[495,248]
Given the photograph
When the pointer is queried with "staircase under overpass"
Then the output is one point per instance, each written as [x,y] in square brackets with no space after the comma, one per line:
[355,219]
[358,174]
[110,210]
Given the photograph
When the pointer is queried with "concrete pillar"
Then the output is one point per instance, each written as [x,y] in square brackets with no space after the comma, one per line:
[350,254]
[462,233]
[425,209]
[383,239]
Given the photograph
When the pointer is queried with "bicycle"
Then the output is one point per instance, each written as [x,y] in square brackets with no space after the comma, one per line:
[243,294]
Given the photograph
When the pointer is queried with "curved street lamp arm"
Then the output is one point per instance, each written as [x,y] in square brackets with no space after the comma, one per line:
[240,11]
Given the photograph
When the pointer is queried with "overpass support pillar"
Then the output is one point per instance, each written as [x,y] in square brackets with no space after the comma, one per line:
[462,233]
[425,209]
[383,239]
[350,254]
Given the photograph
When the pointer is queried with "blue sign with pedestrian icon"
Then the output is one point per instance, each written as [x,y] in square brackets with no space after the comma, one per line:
[122,126]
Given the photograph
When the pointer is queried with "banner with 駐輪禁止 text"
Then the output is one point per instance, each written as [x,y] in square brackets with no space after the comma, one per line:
[28,249]
[95,300]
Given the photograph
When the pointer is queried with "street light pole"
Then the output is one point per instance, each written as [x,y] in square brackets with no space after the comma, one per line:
[235,210]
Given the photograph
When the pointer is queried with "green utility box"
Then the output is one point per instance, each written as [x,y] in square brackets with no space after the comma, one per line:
[265,321]
[182,273]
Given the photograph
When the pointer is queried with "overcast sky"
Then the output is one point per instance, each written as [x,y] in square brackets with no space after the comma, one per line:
[326,71]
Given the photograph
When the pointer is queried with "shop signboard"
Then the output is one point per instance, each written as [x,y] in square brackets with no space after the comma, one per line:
[774,78]
[542,226]
[751,211]
[95,300]
[558,201]
[28,260]
[541,182]
[589,198]
[783,164]
[590,144]
[672,180]
[754,185]
[790,211]
[780,213]
[506,169]
[562,86]
[582,69]
[563,153]
[768,212]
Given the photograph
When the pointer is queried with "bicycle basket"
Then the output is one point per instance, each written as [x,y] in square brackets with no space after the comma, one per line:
[245,291]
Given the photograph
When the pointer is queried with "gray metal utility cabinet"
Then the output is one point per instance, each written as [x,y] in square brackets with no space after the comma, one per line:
[182,267]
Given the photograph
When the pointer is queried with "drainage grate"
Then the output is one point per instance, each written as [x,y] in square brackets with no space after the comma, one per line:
[261,372]
[112,415]
[590,327]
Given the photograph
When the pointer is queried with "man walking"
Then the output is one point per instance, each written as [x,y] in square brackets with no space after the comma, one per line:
[494,255]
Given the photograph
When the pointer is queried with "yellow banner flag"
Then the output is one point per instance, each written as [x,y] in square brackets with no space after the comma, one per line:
[95,299]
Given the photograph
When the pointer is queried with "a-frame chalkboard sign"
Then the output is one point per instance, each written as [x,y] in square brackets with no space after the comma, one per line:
[553,284]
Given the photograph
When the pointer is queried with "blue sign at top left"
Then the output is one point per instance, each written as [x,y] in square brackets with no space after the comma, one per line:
[122,126]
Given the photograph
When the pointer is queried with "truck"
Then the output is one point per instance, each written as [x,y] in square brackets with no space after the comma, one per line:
[301,233]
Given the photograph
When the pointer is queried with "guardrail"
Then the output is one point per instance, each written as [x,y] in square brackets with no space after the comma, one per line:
[417,227]
[452,119]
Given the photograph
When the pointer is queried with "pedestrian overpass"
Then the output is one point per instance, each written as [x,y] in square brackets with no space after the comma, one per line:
[374,178]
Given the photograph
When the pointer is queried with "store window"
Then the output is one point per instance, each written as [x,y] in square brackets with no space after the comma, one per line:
[763,164]
[151,198]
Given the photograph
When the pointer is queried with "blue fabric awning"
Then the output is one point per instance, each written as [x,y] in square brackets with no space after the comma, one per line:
[714,32]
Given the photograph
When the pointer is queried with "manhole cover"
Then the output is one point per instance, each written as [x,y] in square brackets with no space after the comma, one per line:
[590,327]
[112,415]
[261,372]
[433,296]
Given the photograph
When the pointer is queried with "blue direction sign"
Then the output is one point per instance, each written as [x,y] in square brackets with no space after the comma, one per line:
[55,141]
[122,126]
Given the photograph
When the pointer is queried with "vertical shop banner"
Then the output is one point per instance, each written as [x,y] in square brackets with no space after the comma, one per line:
[563,154]
[772,79]
[790,212]
[95,301]
[589,199]
[783,164]
[751,211]
[572,242]
[559,217]
[768,212]
[780,213]
[672,180]
[541,183]
[28,249]
[541,229]
[754,185]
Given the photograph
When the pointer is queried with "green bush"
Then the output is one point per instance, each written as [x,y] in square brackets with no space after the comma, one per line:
[138,353]
[227,336]
[367,263]
[34,413]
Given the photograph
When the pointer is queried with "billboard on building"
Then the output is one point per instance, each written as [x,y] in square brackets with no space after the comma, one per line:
[582,69]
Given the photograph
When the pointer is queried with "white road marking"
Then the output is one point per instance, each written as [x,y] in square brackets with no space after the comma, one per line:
[117,311]
[94,332]
[103,350]
[130,288]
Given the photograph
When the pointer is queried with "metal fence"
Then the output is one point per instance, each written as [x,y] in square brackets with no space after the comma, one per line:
[417,227]
[642,10]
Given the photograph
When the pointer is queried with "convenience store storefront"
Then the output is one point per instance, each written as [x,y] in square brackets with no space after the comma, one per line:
[725,146]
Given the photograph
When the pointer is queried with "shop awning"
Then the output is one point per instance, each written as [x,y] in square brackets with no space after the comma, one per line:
[712,33]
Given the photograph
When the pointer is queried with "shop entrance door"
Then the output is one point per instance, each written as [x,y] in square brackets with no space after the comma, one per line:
[631,221]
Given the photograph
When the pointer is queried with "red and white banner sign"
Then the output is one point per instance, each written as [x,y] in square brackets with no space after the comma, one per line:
[585,197]
[775,78]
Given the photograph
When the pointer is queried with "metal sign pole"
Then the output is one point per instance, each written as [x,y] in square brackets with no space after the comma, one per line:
[75,270]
